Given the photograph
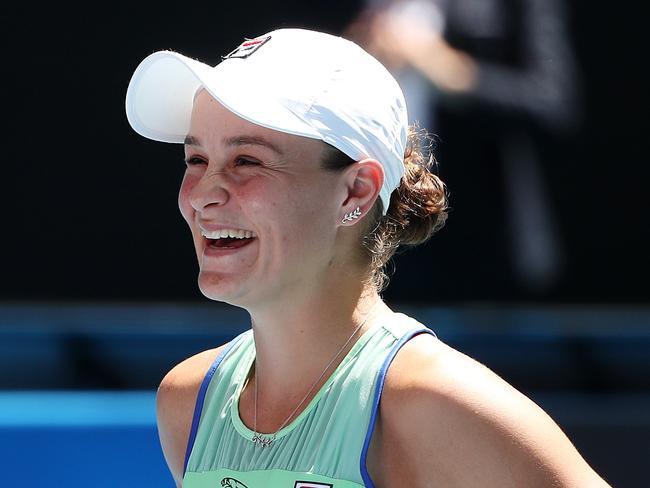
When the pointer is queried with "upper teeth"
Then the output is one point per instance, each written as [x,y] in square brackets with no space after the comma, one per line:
[232,233]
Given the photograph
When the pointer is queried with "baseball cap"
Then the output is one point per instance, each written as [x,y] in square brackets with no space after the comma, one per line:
[297,81]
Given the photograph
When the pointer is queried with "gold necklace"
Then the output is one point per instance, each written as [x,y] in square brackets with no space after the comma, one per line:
[265,440]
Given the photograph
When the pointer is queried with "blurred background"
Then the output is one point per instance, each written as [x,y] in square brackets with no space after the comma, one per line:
[537,108]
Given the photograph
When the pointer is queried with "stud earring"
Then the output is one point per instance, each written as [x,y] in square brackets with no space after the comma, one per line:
[351,215]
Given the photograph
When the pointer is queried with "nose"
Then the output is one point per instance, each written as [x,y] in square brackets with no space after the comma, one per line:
[210,190]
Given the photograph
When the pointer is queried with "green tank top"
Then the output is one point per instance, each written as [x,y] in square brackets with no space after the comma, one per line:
[325,446]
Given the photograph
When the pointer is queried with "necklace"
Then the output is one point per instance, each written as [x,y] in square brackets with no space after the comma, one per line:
[265,440]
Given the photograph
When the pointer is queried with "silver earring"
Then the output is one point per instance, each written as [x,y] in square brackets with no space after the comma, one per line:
[351,215]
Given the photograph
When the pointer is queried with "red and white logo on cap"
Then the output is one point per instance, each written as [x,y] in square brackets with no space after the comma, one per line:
[248,47]
[309,484]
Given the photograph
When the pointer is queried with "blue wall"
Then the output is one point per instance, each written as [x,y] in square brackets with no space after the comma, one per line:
[75,439]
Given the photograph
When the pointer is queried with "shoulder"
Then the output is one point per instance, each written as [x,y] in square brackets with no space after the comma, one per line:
[175,403]
[460,424]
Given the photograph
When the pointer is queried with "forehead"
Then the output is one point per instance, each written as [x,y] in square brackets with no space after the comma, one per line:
[213,124]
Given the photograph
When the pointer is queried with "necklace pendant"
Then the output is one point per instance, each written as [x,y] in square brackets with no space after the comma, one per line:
[262,440]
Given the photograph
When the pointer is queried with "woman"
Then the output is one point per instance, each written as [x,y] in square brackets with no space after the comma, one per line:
[302,180]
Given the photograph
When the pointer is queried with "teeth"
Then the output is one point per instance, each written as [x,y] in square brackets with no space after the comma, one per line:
[232,233]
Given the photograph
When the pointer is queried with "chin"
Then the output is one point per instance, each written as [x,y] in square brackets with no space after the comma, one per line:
[220,288]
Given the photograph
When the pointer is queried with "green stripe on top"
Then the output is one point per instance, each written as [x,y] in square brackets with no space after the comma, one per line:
[325,441]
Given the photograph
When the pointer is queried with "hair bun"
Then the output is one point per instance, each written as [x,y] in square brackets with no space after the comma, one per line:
[419,205]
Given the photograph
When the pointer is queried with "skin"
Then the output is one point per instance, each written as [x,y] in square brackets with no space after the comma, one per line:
[445,420]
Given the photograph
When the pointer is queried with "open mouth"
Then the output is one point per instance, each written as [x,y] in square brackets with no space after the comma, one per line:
[227,239]
[229,242]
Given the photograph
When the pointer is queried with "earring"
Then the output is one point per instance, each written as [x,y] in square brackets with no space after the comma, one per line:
[351,215]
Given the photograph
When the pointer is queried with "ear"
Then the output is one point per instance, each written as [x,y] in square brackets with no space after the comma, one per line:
[363,181]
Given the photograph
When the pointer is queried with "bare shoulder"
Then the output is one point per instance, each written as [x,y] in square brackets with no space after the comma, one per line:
[175,403]
[458,424]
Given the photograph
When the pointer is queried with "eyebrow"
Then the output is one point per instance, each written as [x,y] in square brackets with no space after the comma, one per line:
[239,141]
[191,141]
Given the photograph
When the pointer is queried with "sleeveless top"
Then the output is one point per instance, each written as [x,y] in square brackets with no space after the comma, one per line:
[324,446]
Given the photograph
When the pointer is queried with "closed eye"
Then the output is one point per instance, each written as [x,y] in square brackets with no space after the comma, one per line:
[239,161]
[242,161]
[194,160]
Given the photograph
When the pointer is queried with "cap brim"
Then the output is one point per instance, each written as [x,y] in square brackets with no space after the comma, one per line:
[161,94]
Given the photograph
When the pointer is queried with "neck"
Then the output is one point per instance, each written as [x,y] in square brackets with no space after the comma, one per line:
[308,333]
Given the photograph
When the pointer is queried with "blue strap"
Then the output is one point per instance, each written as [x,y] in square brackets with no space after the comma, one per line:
[200,398]
[381,378]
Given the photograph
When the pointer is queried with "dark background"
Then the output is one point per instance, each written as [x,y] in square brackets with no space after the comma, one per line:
[98,274]
[90,207]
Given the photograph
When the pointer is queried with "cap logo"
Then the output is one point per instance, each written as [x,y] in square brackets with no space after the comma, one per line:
[246,48]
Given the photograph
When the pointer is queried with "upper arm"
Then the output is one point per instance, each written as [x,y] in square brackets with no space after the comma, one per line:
[452,422]
[175,402]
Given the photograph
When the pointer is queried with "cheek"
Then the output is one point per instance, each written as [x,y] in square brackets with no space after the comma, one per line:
[300,220]
[184,204]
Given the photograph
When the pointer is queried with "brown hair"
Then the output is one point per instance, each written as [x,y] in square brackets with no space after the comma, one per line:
[417,210]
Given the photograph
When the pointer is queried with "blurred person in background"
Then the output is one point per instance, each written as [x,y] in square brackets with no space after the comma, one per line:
[496,81]
[302,179]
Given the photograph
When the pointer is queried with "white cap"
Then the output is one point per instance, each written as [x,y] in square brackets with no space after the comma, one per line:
[295,81]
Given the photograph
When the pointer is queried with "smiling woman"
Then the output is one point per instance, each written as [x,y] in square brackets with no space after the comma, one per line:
[243,179]
[297,191]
